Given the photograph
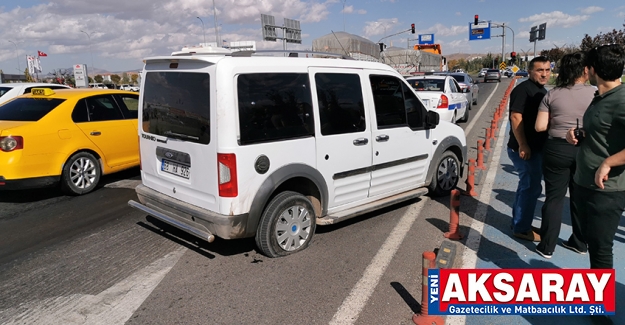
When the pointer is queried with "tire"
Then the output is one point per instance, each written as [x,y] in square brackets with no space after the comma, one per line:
[499,80]
[278,220]
[81,174]
[465,117]
[446,175]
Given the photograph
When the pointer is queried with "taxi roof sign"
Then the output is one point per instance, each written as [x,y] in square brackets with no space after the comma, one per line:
[42,92]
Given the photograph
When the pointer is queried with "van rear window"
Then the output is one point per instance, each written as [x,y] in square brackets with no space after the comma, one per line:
[28,109]
[177,105]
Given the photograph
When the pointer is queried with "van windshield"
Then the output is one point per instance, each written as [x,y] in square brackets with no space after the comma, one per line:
[177,105]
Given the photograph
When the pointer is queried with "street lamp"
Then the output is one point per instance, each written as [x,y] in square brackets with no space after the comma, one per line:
[89,36]
[17,56]
[203,31]
[215,19]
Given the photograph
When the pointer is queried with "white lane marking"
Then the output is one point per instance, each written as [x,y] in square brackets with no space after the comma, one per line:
[469,254]
[352,306]
[477,116]
[113,306]
[125,183]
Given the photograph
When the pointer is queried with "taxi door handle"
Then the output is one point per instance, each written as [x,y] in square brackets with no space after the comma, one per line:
[96,133]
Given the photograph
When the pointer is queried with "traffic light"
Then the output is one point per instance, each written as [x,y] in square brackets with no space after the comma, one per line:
[412,28]
[476,20]
[513,57]
[382,46]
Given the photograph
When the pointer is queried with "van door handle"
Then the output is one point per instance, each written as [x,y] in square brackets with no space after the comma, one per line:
[382,138]
[96,133]
[361,141]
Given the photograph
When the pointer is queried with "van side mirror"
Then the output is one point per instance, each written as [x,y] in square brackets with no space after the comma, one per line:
[431,119]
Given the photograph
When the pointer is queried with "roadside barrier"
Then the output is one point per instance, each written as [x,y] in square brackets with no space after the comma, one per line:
[422,318]
[470,191]
[487,140]
[454,216]
[480,155]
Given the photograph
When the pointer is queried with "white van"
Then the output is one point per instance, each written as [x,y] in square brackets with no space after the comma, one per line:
[268,147]
[98,85]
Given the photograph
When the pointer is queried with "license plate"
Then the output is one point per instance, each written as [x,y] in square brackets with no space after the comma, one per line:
[426,102]
[175,168]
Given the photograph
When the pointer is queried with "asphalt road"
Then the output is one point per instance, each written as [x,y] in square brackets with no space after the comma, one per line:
[94,260]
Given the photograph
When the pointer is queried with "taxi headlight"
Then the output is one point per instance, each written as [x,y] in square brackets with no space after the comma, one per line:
[11,143]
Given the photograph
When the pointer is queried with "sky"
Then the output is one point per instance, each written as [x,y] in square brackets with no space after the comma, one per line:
[116,35]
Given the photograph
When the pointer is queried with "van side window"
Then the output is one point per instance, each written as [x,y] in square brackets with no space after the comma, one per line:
[274,106]
[388,99]
[415,111]
[341,108]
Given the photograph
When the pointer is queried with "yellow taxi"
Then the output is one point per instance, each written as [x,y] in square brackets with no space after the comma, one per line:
[67,136]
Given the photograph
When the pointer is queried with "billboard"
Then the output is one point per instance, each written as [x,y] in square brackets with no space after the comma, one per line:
[480,31]
[80,76]
[426,39]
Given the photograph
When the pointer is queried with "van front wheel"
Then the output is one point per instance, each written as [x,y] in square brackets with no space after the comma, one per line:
[446,175]
[286,226]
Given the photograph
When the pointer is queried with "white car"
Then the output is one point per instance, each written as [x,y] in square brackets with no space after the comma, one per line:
[269,147]
[443,95]
[482,72]
[11,90]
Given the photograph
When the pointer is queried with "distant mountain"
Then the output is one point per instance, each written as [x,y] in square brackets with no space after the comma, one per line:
[466,56]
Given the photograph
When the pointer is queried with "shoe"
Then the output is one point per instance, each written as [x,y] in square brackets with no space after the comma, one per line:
[529,235]
[565,244]
[541,253]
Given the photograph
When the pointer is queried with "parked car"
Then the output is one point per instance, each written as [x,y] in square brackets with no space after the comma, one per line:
[492,74]
[67,136]
[522,73]
[482,72]
[9,91]
[270,147]
[508,73]
[469,87]
[98,85]
[442,94]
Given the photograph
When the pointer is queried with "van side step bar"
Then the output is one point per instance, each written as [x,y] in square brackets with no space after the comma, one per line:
[372,206]
[206,235]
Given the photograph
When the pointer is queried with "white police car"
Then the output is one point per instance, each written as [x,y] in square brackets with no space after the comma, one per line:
[443,95]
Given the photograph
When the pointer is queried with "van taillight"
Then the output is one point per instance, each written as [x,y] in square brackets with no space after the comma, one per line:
[227,170]
[12,142]
[443,102]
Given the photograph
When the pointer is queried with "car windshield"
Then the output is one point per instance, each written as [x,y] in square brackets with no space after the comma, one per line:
[427,84]
[493,70]
[4,90]
[28,109]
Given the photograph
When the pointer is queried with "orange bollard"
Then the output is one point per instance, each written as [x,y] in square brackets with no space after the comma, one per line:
[470,182]
[493,129]
[488,137]
[422,318]
[454,216]
[480,155]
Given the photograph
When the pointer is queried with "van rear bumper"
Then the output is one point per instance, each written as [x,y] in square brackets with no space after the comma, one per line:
[192,219]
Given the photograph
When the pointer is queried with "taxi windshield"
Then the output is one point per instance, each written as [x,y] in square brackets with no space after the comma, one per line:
[28,109]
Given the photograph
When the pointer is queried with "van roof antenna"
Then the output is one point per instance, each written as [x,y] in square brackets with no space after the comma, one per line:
[337,39]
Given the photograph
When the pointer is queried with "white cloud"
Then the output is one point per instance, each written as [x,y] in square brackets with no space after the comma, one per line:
[442,30]
[522,34]
[362,12]
[621,14]
[591,10]
[348,9]
[380,27]
[555,18]
[458,13]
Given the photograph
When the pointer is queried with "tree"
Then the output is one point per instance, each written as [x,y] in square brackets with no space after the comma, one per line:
[98,78]
[91,80]
[613,37]
[125,78]
[115,78]
[134,78]
[29,78]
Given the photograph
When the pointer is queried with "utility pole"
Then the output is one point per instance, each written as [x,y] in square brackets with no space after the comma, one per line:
[215,18]
[17,57]
[203,30]
[90,51]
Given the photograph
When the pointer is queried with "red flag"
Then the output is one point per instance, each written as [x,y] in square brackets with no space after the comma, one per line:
[39,53]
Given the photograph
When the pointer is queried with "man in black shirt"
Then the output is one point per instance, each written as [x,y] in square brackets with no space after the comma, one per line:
[525,146]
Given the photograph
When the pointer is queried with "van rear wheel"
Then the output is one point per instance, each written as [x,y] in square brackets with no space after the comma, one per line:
[286,226]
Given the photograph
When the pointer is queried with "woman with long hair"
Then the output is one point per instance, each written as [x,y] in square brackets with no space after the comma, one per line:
[560,110]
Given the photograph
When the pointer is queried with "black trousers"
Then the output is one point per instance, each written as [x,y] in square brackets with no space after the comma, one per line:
[599,213]
[558,169]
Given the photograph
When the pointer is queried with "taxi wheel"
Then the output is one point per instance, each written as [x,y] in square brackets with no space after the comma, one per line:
[81,174]
[286,226]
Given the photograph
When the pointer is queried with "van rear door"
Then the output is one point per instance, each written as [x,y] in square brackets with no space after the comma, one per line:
[178,146]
